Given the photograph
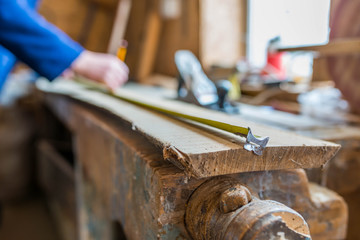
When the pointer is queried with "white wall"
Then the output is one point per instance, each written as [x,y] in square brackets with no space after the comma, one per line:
[297,22]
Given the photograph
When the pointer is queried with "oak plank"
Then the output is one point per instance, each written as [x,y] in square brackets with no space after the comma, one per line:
[199,150]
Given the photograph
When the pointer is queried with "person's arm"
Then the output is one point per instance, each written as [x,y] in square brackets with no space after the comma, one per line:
[49,51]
[34,41]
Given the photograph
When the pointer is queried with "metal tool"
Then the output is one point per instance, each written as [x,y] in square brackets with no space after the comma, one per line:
[122,50]
[255,144]
[195,87]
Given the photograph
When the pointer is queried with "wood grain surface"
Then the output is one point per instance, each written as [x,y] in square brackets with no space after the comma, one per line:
[122,177]
[200,150]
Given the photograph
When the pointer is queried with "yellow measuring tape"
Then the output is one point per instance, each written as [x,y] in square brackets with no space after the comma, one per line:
[216,124]
[242,131]
[253,143]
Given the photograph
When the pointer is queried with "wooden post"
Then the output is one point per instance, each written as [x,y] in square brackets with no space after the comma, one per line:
[120,24]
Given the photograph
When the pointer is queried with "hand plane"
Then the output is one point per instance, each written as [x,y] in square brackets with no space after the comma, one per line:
[195,87]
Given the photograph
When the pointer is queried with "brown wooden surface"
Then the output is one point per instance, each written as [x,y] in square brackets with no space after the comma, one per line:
[28,219]
[178,33]
[154,39]
[319,206]
[150,44]
[57,180]
[342,175]
[320,70]
[345,23]
[123,177]
[203,151]
[135,33]
[85,21]
[233,212]
[334,47]
[16,136]
[105,3]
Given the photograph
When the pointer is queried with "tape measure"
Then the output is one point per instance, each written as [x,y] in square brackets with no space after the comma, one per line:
[243,131]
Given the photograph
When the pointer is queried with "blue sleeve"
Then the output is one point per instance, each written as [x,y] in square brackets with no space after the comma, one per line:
[35,41]
[7,61]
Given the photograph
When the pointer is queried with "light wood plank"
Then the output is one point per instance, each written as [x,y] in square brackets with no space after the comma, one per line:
[200,150]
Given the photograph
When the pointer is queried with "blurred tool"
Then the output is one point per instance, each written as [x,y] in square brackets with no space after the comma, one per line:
[195,87]
[235,91]
[121,52]
[274,71]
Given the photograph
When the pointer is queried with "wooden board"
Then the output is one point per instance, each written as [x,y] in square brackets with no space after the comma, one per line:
[203,151]
[335,47]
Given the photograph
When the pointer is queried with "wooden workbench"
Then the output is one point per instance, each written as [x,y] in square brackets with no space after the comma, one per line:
[123,177]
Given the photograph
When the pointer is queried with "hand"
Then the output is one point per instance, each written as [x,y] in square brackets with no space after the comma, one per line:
[100,67]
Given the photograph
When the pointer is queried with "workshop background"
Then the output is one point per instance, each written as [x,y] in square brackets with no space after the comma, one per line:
[286,65]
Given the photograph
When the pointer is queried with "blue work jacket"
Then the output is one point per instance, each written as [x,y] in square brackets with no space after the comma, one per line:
[27,36]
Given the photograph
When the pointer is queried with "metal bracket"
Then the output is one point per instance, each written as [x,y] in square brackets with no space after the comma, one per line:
[254,144]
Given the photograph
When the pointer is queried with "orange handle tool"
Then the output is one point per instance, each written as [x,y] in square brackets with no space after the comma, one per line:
[121,52]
